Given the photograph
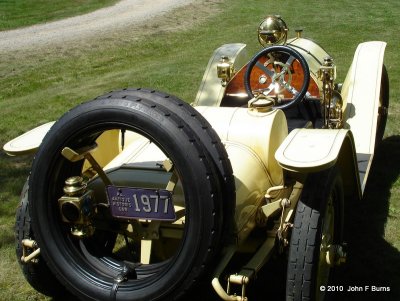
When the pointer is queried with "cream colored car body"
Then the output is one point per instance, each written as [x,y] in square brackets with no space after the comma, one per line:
[258,144]
[260,139]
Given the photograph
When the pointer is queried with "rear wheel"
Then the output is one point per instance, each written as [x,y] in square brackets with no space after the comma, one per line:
[317,229]
[103,255]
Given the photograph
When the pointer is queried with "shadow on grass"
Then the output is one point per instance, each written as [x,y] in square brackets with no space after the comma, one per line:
[372,261]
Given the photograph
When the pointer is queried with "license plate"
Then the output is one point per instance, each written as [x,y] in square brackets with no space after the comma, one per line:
[141,203]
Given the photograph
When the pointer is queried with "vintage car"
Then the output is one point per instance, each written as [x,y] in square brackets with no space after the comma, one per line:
[137,195]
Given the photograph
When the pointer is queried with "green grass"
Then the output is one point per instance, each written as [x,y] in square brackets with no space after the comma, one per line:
[38,85]
[20,13]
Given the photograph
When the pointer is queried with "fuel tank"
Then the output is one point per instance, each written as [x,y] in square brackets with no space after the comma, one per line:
[251,139]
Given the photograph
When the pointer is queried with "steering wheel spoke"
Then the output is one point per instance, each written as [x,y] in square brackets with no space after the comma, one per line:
[280,76]
[265,91]
[292,90]
[264,69]
[290,60]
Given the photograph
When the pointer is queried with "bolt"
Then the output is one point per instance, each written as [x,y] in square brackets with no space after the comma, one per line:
[286,203]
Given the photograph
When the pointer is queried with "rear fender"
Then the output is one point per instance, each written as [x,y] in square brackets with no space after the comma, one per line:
[29,142]
[307,151]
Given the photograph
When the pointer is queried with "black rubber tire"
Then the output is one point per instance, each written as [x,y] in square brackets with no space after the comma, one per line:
[384,107]
[306,237]
[283,49]
[200,178]
[37,274]
[205,133]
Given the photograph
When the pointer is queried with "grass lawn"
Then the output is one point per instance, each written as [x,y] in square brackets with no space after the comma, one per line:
[22,13]
[170,54]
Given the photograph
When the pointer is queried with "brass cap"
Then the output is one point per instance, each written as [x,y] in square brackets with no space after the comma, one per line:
[74,186]
[261,104]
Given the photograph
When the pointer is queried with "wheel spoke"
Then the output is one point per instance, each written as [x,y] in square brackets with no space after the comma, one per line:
[145,250]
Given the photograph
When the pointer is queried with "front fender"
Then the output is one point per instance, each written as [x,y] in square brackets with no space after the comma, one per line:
[307,151]
[361,92]
[211,91]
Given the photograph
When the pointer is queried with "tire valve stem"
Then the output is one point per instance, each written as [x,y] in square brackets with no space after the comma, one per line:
[123,276]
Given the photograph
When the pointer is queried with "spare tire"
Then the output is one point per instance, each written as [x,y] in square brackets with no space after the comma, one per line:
[205,133]
[91,270]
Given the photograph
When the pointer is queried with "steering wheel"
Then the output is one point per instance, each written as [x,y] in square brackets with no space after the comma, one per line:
[277,75]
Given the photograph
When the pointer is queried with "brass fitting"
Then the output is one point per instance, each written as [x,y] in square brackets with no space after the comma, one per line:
[272,31]
[261,104]
[335,255]
[331,100]
[30,251]
[299,33]
[225,70]
[76,206]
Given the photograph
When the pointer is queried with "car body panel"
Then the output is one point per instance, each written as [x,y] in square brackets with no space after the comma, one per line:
[307,151]
[361,91]
[28,142]
[211,91]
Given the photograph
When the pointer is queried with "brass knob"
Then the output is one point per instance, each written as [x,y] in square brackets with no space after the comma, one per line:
[74,186]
